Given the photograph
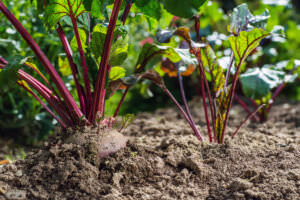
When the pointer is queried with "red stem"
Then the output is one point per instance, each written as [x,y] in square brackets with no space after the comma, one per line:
[73,66]
[229,70]
[247,118]
[44,105]
[245,107]
[210,101]
[232,90]
[196,131]
[52,100]
[126,12]
[70,102]
[88,92]
[197,29]
[121,102]
[98,100]
[205,108]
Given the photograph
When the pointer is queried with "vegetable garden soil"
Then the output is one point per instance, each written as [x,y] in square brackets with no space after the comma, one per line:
[164,160]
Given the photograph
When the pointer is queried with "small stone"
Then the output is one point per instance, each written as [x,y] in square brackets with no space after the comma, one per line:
[19,173]
[16,195]
[2,190]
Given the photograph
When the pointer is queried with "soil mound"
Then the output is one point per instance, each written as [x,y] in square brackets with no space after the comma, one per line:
[164,160]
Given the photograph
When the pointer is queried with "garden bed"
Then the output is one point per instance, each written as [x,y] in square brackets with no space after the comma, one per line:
[164,160]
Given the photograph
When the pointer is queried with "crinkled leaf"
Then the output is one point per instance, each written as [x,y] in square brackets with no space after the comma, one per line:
[243,20]
[60,8]
[257,83]
[117,73]
[213,69]
[119,52]
[185,8]
[243,44]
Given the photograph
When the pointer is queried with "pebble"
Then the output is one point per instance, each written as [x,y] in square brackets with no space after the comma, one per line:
[16,195]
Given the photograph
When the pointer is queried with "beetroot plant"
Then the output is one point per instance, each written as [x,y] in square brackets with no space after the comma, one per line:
[98,49]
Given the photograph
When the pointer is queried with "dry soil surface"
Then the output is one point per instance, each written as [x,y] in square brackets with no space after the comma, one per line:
[164,160]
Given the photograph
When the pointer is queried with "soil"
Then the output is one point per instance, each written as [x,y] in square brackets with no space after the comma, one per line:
[164,160]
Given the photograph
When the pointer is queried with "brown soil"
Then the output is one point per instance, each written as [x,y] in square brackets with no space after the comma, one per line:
[164,160]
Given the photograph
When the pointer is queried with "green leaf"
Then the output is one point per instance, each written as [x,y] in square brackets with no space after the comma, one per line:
[149,51]
[185,9]
[127,120]
[60,8]
[119,52]
[99,34]
[64,66]
[117,73]
[215,71]
[83,39]
[149,8]
[242,19]
[243,44]
[257,83]
[9,75]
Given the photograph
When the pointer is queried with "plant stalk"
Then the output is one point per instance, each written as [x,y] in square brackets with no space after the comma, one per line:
[73,66]
[245,107]
[247,118]
[98,100]
[196,131]
[197,29]
[121,102]
[86,79]
[44,106]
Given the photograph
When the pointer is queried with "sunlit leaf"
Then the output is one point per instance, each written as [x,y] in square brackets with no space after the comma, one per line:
[242,19]
[64,66]
[117,73]
[257,83]
[60,8]
[83,39]
[243,44]
[213,68]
